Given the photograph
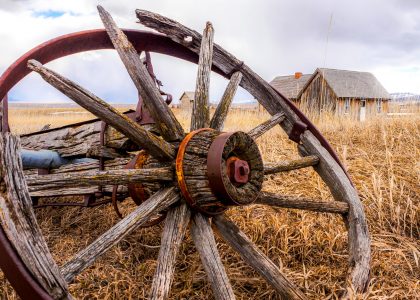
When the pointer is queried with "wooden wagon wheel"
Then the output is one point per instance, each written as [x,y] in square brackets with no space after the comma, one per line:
[214,170]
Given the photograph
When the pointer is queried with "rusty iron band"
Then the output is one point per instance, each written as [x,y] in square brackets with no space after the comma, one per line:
[179,166]
[136,190]
[214,168]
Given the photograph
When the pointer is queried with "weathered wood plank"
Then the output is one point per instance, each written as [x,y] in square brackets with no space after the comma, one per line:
[302,203]
[102,151]
[257,259]
[78,139]
[200,113]
[156,203]
[153,144]
[266,126]
[19,222]
[74,191]
[176,224]
[86,167]
[168,125]
[92,165]
[222,109]
[342,190]
[289,165]
[205,243]
[110,177]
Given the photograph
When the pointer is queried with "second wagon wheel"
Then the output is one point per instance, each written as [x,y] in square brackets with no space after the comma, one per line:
[214,170]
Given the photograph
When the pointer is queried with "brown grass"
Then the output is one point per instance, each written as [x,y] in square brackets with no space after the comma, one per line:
[383,158]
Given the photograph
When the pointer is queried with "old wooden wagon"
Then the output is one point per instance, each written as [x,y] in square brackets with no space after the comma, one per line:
[187,179]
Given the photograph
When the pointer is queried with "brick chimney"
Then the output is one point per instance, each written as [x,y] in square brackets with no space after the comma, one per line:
[298,75]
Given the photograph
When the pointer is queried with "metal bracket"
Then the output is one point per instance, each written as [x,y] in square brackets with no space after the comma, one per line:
[297,129]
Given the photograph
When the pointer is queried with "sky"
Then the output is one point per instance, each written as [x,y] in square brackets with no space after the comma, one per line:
[273,37]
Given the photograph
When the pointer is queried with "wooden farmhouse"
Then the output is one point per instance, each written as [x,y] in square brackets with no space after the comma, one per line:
[186,100]
[356,94]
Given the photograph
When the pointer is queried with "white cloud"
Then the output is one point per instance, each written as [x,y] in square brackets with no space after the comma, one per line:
[273,37]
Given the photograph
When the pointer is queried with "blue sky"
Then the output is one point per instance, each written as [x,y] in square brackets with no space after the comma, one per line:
[48,14]
[274,37]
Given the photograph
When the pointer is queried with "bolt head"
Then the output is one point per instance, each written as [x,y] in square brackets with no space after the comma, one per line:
[238,170]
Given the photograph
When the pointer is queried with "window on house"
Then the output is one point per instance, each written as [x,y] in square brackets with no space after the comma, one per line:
[379,106]
[347,106]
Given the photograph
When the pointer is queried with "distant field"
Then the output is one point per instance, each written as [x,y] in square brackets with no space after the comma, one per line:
[25,118]
[383,158]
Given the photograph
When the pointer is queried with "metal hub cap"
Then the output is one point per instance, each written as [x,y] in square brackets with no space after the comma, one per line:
[231,171]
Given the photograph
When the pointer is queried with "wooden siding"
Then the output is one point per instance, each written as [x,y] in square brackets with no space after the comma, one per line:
[185,102]
[355,106]
[318,97]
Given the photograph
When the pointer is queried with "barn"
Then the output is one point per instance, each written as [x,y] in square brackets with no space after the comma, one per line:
[186,100]
[341,92]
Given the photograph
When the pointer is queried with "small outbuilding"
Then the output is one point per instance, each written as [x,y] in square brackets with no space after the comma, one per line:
[356,94]
[290,85]
[186,100]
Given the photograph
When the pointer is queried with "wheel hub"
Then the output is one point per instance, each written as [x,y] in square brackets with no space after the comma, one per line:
[216,170]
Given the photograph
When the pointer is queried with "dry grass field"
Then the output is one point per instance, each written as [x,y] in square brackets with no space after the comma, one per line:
[383,159]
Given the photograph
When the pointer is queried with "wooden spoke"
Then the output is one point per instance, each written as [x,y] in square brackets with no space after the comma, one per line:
[289,165]
[200,113]
[169,126]
[224,61]
[158,202]
[112,177]
[205,243]
[302,203]
[153,144]
[222,109]
[176,224]
[19,221]
[256,259]
[266,126]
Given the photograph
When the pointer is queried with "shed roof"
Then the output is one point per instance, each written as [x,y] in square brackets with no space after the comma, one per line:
[289,86]
[352,84]
[190,95]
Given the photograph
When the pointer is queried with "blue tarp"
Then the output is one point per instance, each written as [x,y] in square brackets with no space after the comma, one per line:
[47,159]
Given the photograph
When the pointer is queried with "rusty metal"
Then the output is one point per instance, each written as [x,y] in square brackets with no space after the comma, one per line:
[215,167]
[136,190]
[297,129]
[43,171]
[179,166]
[238,170]
[143,115]
[22,280]
[226,153]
